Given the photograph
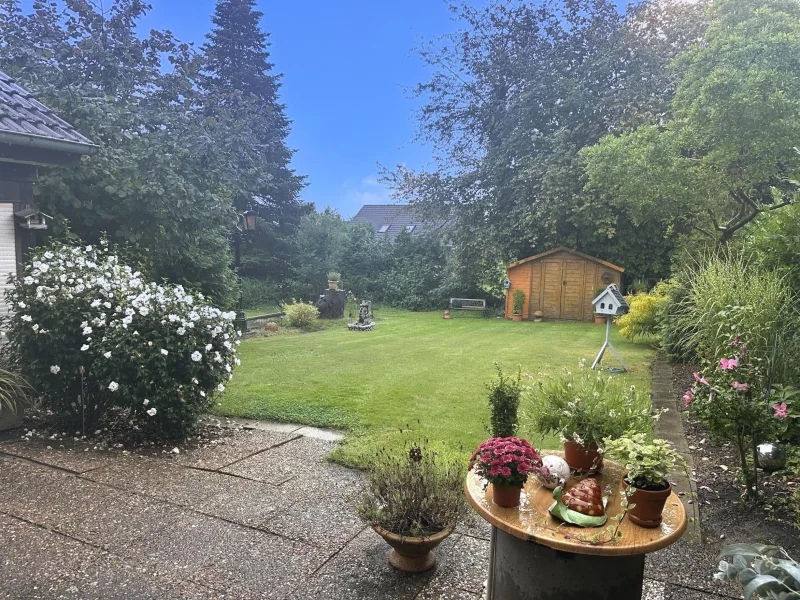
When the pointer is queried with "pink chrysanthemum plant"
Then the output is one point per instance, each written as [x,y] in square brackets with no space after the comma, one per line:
[505,461]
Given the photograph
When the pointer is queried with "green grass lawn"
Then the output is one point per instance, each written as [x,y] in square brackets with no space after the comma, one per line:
[412,367]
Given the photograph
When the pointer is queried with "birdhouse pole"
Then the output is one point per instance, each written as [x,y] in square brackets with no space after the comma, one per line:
[608,344]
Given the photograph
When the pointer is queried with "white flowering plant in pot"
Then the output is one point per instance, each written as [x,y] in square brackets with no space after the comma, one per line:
[91,333]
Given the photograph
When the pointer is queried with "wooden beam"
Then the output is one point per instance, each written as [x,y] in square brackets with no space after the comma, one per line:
[17,172]
[36,156]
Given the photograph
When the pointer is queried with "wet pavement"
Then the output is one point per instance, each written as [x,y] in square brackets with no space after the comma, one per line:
[260,514]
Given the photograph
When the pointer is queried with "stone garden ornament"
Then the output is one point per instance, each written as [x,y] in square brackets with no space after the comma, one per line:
[365,322]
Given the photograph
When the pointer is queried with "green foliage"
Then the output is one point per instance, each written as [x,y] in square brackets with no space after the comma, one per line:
[518,299]
[589,407]
[765,572]
[504,396]
[259,292]
[334,276]
[726,154]
[90,333]
[414,493]
[646,314]
[775,242]
[647,461]
[301,315]
[14,388]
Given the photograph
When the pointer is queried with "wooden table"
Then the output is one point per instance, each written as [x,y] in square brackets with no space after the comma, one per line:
[534,556]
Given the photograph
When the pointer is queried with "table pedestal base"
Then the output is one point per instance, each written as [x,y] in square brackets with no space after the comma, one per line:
[520,570]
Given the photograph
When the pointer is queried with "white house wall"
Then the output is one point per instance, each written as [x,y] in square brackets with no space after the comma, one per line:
[8,254]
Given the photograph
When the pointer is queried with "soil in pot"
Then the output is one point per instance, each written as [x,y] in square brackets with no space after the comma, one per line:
[505,495]
[412,554]
[649,505]
[583,459]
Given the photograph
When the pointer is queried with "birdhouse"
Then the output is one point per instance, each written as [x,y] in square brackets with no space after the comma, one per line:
[31,218]
[610,302]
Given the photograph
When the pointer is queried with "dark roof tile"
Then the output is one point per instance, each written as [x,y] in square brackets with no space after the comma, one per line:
[396,216]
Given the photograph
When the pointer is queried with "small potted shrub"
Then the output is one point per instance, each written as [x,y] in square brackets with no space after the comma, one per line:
[648,463]
[413,500]
[505,462]
[504,397]
[518,299]
[586,408]
[333,280]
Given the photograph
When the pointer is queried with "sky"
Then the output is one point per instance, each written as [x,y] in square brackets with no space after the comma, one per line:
[346,68]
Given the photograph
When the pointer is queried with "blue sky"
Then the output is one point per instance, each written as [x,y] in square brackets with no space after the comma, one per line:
[345,64]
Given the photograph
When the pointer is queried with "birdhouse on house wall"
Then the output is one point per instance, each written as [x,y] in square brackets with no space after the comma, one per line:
[31,218]
[610,302]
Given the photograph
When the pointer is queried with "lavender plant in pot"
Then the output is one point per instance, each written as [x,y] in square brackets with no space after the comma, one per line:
[648,464]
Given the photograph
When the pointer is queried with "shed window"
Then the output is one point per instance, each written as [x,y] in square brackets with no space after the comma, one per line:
[410,228]
[383,229]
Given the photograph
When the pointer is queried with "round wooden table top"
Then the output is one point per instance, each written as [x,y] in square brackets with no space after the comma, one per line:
[531,520]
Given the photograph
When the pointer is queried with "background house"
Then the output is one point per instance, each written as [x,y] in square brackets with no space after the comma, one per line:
[30,135]
[389,220]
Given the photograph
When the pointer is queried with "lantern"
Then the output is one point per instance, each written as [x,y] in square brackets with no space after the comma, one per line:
[249,220]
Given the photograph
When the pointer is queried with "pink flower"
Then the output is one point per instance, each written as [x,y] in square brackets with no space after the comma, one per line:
[687,398]
[728,364]
[781,410]
[699,379]
[740,387]
[505,472]
[494,471]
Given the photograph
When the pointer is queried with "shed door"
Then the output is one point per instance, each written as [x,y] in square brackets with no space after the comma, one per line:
[572,290]
[551,289]
[8,253]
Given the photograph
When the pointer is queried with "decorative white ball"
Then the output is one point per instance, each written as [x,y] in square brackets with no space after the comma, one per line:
[555,471]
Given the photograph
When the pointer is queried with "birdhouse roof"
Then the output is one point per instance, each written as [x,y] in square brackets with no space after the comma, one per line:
[613,291]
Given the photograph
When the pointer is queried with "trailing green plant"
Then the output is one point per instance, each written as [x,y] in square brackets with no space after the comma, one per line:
[647,461]
[645,315]
[14,388]
[504,396]
[301,315]
[589,407]
[518,300]
[766,572]
[417,492]
[334,276]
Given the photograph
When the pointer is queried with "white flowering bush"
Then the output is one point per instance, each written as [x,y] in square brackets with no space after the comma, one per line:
[92,334]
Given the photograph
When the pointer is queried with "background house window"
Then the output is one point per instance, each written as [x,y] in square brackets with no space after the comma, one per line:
[410,228]
[383,229]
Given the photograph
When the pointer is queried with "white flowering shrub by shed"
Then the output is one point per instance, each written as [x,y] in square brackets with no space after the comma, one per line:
[92,334]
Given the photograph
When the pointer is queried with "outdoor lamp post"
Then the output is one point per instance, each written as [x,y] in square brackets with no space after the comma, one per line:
[247,223]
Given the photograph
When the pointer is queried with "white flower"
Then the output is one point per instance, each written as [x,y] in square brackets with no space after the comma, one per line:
[21,304]
[220,388]
[146,402]
[87,331]
[95,303]
[237,361]
[209,347]
[35,327]
[181,330]
[48,255]
[164,352]
[149,343]
[127,320]
[55,369]
[196,356]
[113,386]
[107,354]
[227,367]
[26,318]
[152,412]
[84,348]
[227,344]
[107,304]
[202,393]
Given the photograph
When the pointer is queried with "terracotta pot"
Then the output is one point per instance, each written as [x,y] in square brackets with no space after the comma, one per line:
[272,326]
[412,554]
[333,285]
[583,459]
[505,495]
[649,505]
[447,314]
[516,318]
[600,319]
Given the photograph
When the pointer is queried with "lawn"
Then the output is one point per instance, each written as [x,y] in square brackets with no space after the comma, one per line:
[414,370]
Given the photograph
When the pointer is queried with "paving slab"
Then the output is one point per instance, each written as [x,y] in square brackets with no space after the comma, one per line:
[433,593]
[232,449]
[691,565]
[321,434]
[71,455]
[463,563]
[245,501]
[298,458]
[362,571]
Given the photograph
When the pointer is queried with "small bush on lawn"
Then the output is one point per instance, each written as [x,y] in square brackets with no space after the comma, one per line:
[504,395]
[91,334]
[643,320]
[302,315]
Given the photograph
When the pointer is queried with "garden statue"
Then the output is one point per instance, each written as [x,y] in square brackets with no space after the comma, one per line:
[331,304]
[365,322]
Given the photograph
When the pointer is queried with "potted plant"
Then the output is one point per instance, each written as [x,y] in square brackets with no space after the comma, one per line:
[599,319]
[505,462]
[586,408]
[648,463]
[413,500]
[518,299]
[333,280]
[447,314]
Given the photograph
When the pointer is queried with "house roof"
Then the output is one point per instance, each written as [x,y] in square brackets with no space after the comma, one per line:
[394,218]
[24,121]
[571,251]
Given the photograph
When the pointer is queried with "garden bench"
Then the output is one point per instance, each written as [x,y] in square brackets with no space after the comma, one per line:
[470,305]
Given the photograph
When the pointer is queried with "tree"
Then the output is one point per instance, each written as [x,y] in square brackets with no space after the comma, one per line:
[238,77]
[727,152]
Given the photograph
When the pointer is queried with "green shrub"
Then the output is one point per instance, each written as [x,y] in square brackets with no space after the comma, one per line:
[258,292]
[14,388]
[639,286]
[334,276]
[301,315]
[518,298]
[504,395]
[91,334]
[643,320]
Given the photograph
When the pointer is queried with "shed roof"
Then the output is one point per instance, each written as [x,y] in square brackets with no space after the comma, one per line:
[571,251]
[395,217]
[24,121]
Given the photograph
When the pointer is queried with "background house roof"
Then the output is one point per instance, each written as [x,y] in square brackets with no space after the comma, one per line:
[25,121]
[389,220]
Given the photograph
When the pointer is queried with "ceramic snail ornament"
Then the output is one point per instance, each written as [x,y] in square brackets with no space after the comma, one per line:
[553,472]
[583,504]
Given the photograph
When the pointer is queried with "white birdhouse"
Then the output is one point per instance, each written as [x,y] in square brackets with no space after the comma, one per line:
[610,302]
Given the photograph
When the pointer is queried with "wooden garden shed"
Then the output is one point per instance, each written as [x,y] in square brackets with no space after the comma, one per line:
[561,283]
